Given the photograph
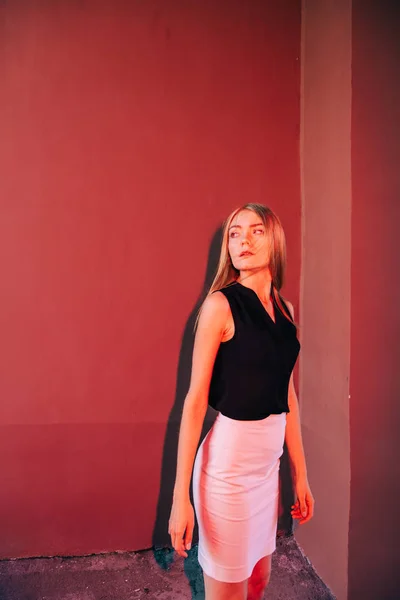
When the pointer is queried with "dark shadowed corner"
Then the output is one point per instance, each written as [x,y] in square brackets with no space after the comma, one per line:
[160,537]
[285,521]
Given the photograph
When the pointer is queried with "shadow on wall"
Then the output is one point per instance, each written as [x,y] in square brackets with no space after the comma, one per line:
[168,470]
[160,538]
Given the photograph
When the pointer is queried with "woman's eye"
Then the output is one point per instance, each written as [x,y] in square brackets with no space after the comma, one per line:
[233,234]
[259,231]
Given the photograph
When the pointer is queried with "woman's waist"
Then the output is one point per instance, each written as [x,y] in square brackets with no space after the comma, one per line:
[234,446]
[253,425]
[254,436]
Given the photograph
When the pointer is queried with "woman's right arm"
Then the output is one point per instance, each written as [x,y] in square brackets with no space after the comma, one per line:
[211,327]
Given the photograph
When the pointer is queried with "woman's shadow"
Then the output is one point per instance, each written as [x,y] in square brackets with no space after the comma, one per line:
[163,553]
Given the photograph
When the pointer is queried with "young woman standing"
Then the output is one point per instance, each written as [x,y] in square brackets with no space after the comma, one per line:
[244,353]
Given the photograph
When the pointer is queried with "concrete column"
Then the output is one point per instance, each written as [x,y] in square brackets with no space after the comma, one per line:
[325,282]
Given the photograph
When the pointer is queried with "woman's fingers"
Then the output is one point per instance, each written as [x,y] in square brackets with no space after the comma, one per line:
[177,542]
[189,535]
[295,509]
[181,526]
[303,506]
[310,507]
[298,513]
[311,503]
[304,519]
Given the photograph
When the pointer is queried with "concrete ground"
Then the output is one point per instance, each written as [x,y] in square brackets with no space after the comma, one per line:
[158,574]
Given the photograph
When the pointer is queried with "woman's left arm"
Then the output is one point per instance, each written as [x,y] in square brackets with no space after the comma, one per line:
[303,508]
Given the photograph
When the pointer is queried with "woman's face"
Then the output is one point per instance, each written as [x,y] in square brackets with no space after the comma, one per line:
[247,242]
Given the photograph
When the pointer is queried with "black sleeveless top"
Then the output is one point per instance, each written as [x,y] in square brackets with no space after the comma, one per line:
[251,373]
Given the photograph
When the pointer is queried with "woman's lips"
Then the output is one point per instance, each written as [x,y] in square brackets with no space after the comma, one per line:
[244,254]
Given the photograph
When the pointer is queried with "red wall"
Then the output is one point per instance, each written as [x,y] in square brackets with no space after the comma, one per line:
[375,321]
[129,131]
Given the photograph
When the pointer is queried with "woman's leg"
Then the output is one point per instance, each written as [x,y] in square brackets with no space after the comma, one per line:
[259,579]
[220,590]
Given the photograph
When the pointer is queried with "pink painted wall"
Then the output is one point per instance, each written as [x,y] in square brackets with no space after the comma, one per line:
[129,131]
[349,377]
[325,283]
[374,564]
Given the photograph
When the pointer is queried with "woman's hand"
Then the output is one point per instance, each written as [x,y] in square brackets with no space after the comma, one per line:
[303,508]
[181,525]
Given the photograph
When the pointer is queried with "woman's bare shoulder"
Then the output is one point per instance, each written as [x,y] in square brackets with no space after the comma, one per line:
[215,305]
[290,307]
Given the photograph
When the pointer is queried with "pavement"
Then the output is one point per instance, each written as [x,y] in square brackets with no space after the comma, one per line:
[156,573]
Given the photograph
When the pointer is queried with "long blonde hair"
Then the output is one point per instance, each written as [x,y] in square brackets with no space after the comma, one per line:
[227,273]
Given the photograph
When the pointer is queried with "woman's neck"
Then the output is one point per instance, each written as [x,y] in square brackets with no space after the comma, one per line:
[260,283]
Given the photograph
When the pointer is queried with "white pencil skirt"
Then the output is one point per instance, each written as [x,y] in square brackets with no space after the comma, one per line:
[236,493]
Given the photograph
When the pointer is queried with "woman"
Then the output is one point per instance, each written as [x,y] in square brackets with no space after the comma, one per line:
[244,352]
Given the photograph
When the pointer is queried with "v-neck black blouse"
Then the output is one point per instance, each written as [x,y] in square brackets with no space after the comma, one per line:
[251,373]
